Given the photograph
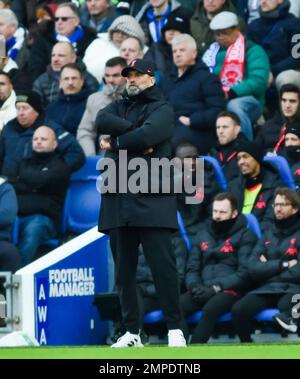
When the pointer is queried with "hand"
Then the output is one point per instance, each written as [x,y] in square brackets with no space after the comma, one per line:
[105,142]
[202,294]
[149,150]
[271,79]
[263,259]
[185,120]
[292,263]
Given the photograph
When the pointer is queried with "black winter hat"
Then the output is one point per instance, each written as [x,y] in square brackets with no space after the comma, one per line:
[177,23]
[32,98]
[252,149]
[293,128]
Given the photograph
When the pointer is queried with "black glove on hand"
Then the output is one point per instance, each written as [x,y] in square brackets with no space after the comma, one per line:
[197,291]
[205,294]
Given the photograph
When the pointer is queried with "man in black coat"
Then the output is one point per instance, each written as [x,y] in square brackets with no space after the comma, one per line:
[140,125]
[228,128]
[40,185]
[274,268]
[217,266]
[254,187]
[195,94]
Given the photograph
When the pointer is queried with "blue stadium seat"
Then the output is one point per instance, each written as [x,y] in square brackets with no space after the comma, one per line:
[83,199]
[157,316]
[89,170]
[154,317]
[82,203]
[267,314]
[281,164]
[217,170]
[195,318]
[253,224]
[183,232]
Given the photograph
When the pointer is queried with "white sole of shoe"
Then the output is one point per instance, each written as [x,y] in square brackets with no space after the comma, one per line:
[290,328]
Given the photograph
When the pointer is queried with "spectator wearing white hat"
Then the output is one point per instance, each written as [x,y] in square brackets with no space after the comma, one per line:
[242,66]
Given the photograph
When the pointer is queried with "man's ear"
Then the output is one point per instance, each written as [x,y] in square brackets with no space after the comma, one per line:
[235,213]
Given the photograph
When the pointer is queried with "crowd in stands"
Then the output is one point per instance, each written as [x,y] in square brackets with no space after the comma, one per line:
[230,69]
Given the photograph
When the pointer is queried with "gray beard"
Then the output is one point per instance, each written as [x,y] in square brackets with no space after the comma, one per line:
[133,91]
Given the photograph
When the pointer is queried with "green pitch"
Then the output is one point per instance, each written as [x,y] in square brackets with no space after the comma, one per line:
[271,351]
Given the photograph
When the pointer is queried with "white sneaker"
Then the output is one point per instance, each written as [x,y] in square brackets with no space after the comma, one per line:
[129,340]
[176,338]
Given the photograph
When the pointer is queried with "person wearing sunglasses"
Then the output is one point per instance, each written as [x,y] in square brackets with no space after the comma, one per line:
[64,28]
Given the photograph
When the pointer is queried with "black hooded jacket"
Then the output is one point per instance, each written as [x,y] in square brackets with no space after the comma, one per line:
[221,258]
[277,245]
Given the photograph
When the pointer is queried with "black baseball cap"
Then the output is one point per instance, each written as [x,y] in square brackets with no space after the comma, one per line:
[141,65]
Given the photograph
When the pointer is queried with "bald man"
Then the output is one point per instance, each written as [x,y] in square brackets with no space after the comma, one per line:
[41,186]
[47,84]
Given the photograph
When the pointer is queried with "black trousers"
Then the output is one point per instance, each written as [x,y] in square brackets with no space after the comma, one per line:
[158,250]
[215,307]
[10,259]
[245,310]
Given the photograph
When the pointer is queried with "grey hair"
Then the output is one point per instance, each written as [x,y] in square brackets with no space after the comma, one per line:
[184,38]
[9,17]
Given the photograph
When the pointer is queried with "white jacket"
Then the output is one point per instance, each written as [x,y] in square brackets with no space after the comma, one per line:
[8,110]
[98,53]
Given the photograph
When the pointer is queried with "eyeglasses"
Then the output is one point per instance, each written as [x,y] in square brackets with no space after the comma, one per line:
[64,19]
[281,205]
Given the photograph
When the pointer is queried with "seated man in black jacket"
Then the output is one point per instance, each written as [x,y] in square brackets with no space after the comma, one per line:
[274,268]
[41,185]
[217,266]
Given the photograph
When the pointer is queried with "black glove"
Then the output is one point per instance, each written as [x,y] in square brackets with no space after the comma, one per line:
[197,291]
[206,294]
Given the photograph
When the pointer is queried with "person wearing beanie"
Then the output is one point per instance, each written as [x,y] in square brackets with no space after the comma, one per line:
[109,44]
[15,139]
[271,135]
[291,150]
[274,268]
[41,184]
[160,53]
[255,185]
[154,14]
[242,66]
[216,273]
